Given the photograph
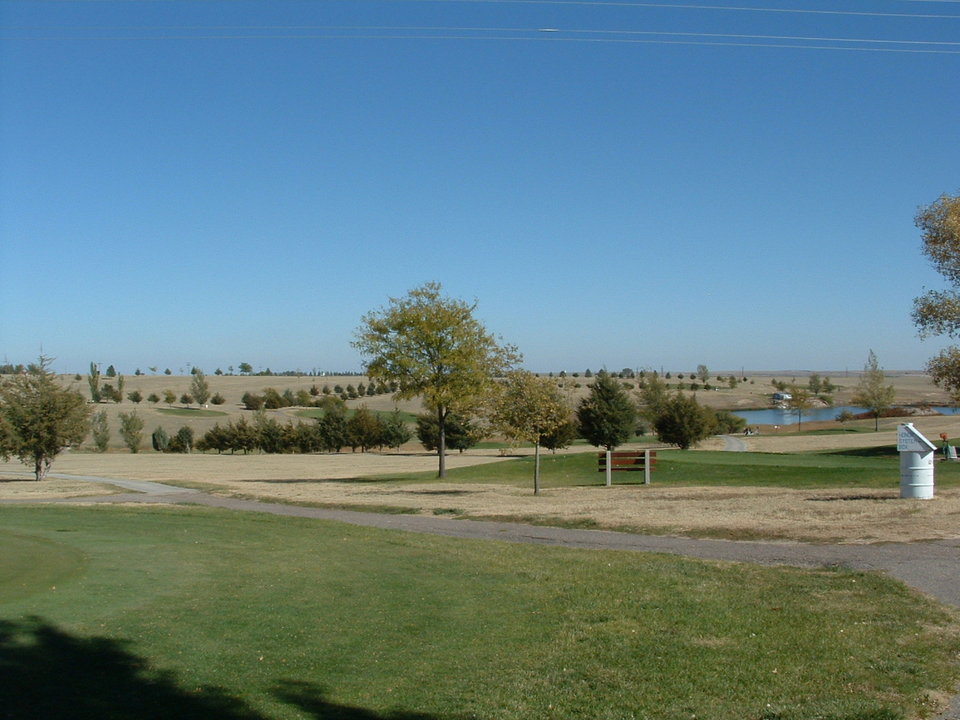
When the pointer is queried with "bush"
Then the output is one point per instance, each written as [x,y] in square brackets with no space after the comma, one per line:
[217,399]
[101,431]
[160,440]
[682,421]
[252,401]
[131,430]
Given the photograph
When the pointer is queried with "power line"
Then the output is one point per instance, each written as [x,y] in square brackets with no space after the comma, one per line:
[607,3]
[334,30]
[686,6]
[550,35]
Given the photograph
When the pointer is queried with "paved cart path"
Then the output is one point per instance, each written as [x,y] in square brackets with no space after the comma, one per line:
[932,567]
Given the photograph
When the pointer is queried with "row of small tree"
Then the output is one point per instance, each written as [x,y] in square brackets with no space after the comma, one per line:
[333,431]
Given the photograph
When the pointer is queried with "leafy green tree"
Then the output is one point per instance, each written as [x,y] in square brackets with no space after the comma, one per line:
[136,397]
[121,382]
[101,431]
[562,436]
[606,417]
[527,409]
[186,399]
[111,372]
[217,399]
[199,387]
[727,423]
[680,420]
[153,398]
[937,312]
[245,368]
[160,440]
[93,381]
[395,431]
[435,349]
[169,397]
[131,430]
[39,417]
[872,391]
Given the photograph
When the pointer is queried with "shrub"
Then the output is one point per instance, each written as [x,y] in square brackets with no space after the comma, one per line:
[681,420]
[182,442]
[131,430]
[160,440]
[101,431]
[217,399]
[252,401]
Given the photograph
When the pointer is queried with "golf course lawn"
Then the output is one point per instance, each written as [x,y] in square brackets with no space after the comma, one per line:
[198,613]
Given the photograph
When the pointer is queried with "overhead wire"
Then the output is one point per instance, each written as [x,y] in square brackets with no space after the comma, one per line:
[500,33]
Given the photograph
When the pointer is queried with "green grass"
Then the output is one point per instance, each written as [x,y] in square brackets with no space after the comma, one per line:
[190,412]
[201,613]
[317,413]
[866,468]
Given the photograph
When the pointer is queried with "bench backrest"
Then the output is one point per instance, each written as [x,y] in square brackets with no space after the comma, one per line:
[626,460]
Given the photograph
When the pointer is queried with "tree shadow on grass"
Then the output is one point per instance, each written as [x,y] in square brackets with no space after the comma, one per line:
[310,698]
[48,673]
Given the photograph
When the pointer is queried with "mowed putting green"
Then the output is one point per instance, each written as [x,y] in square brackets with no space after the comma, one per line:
[201,613]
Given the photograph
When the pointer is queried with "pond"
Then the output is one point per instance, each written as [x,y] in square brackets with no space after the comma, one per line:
[779,416]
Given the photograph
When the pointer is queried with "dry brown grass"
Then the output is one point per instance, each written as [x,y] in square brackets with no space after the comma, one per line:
[846,516]
[819,515]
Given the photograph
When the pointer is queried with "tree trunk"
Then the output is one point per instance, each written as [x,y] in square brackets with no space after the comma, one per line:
[442,445]
[536,468]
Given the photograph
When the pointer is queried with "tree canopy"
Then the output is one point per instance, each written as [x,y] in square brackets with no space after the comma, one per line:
[39,417]
[606,417]
[434,348]
[528,409]
[680,420]
[937,312]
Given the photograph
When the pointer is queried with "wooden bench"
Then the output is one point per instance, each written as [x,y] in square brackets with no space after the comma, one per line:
[627,461]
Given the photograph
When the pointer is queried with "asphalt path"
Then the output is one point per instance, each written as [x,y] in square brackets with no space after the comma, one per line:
[931,567]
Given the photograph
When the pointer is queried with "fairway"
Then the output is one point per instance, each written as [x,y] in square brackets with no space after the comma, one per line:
[214,614]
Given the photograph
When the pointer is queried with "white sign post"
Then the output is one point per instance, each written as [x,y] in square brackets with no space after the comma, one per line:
[916,463]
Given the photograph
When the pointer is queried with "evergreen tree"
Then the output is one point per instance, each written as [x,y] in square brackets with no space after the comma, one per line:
[606,417]
[39,417]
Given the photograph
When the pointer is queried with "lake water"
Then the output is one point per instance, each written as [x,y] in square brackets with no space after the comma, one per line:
[777,416]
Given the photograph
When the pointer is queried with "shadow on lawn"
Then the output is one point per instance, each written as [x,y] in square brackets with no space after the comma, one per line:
[48,673]
[309,698]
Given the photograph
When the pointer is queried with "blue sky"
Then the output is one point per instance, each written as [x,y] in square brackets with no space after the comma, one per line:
[221,181]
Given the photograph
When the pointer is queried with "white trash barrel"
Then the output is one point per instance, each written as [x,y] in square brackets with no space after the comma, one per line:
[916,463]
[916,475]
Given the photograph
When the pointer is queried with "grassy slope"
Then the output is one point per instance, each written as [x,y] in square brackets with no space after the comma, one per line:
[194,613]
